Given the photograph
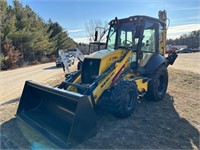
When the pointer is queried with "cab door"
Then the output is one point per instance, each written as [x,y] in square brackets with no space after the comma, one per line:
[149,45]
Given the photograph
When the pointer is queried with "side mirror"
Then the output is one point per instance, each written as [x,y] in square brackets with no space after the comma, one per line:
[96,36]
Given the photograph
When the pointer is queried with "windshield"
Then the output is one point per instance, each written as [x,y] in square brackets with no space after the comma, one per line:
[122,36]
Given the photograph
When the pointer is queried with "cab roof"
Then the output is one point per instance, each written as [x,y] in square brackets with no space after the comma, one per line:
[135,19]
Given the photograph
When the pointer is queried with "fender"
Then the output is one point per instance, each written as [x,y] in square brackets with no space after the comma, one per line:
[154,62]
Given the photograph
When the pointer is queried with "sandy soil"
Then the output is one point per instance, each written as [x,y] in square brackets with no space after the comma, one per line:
[172,123]
[188,62]
[12,81]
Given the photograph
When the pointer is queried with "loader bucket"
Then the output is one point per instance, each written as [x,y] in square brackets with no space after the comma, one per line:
[65,118]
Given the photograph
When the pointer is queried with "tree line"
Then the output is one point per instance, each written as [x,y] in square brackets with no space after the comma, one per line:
[191,40]
[27,39]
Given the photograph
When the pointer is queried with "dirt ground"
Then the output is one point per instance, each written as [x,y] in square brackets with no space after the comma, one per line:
[188,62]
[12,81]
[172,123]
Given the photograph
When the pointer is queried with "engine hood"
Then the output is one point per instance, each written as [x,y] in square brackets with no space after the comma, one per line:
[99,54]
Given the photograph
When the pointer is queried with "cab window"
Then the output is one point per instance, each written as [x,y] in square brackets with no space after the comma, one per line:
[125,38]
[111,39]
[149,38]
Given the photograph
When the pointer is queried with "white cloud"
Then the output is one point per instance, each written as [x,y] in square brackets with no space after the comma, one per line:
[82,40]
[76,30]
[172,32]
[185,8]
[185,19]
[177,31]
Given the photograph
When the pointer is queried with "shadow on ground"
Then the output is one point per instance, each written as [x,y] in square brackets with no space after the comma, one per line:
[16,135]
[154,125]
[11,136]
[11,101]
[51,68]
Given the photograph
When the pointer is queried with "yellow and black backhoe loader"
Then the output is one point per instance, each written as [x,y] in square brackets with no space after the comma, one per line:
[132,65]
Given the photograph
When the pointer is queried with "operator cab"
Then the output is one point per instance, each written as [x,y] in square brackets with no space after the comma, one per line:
[141,34]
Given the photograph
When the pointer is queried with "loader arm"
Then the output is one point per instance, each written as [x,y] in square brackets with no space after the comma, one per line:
[102,82]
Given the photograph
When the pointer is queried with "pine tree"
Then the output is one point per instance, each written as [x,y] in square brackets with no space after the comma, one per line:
[59,37]
[29,33]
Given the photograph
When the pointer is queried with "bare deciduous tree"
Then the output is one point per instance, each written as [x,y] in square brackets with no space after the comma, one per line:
[92,25]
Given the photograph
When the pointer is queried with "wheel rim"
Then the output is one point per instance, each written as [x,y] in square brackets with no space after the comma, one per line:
[130,100]
[162,84]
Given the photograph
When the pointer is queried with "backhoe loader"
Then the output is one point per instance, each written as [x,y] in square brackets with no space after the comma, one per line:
[133,65]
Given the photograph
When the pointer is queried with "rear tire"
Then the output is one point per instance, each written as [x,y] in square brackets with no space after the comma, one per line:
[124,98]
[157,86]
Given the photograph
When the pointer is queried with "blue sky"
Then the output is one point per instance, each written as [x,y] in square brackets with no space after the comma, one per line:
[184,15]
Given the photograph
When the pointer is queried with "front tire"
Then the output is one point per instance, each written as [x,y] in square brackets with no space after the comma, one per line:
[124,97]
[157,86]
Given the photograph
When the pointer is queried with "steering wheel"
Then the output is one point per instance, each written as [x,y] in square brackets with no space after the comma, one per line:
[125,43]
